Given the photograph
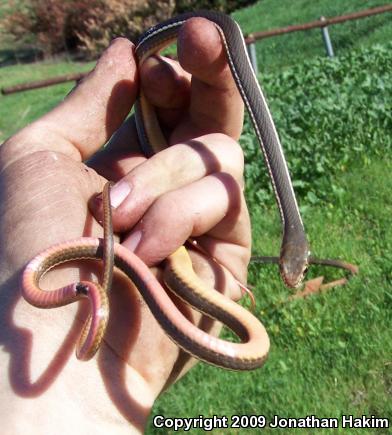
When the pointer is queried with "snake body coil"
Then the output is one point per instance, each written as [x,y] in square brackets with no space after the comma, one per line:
[236,356]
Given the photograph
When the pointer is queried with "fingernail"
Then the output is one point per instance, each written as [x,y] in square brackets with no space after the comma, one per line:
[133,240]
[118,193]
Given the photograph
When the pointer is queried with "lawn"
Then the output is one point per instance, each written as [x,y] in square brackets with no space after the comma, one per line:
[277,52]
[331,353]
[18,110]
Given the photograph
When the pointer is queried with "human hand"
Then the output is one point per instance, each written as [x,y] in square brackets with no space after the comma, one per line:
[45,189]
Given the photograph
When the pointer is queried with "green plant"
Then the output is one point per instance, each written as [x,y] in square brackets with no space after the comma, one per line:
[330,113]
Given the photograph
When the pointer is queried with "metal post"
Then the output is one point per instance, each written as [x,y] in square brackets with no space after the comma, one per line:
[326,39]
[251,47]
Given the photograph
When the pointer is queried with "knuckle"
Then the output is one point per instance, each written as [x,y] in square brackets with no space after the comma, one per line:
[231,155]
[169,203]
[234,193]
[230,183]
[121,43]
[173,214]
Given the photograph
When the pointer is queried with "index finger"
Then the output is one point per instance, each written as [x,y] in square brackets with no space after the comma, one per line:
[215,103]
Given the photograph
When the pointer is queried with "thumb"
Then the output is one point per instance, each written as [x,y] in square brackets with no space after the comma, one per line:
[90,114]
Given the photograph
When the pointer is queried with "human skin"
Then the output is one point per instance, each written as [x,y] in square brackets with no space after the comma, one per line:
[50,175]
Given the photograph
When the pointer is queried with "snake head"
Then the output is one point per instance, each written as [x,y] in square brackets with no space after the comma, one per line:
[294,261]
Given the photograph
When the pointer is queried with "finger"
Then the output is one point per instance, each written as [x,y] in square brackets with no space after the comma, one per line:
[169,170]
[216,104]
[120,155]
[90,114]
[191,211]
[98,106]
[166,85]
[223,274]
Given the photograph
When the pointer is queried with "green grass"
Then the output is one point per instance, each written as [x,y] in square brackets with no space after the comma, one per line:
[18,110]
[331,354]
[281,51]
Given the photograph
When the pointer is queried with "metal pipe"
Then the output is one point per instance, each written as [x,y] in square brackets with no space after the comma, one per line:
[326,38]
[255,36]
[251,48]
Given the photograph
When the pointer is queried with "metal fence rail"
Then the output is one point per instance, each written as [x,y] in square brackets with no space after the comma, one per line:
[250,40]
[43,83]
[322,23]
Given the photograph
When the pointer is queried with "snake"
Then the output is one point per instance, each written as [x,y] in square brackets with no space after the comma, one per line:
[295,251]
[179,276]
